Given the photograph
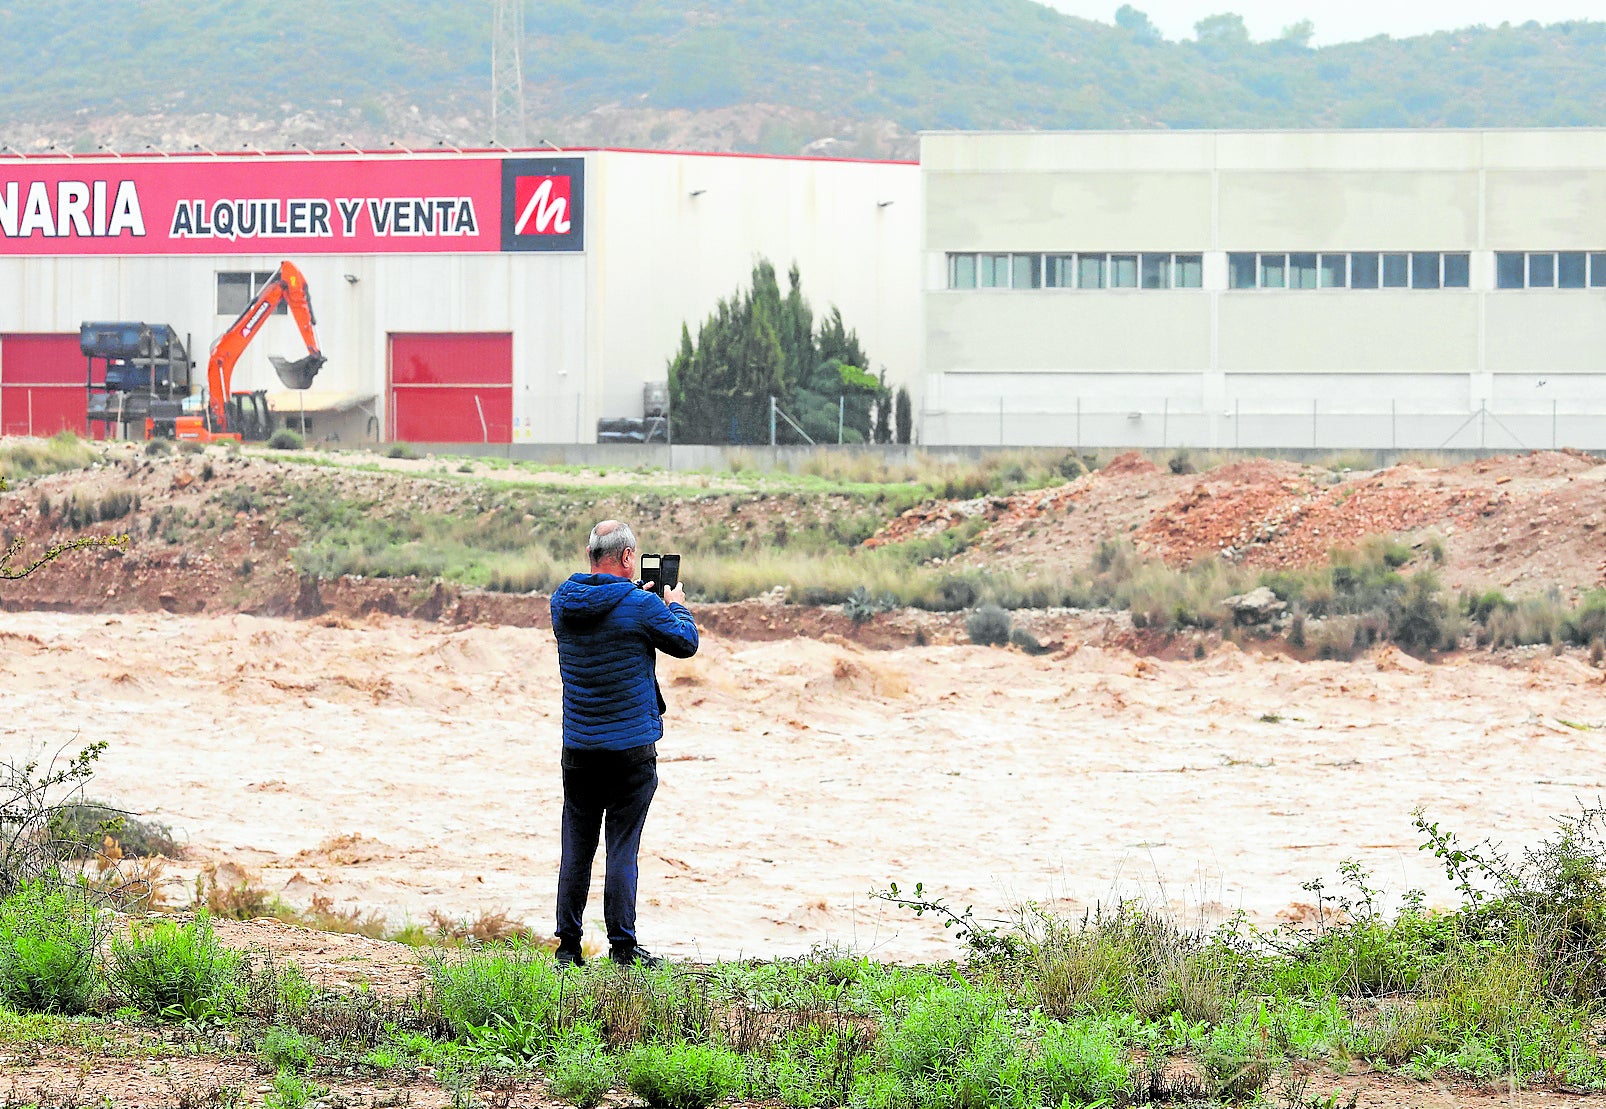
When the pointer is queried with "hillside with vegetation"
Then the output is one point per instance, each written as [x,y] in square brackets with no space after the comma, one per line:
[772,75]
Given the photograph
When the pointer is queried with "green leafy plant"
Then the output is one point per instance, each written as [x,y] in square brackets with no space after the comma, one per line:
[581,1072]
[49,933]
[286,439]
[683,1076]
[176,971]
[516,987]
[291,1091]
[285,1049]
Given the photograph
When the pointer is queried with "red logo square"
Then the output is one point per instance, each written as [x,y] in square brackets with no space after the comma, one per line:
[542,205]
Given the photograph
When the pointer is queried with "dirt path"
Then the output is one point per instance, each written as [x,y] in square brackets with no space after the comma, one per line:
[801,774]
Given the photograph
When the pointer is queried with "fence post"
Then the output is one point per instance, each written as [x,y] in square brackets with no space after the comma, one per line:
[772,421]
[841,415]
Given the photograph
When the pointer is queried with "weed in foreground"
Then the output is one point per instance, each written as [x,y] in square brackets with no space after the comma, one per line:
[285,1049]
[473,989]
[176,971]
[49,933]
[683,1076]
[581,1072]
[291,1091]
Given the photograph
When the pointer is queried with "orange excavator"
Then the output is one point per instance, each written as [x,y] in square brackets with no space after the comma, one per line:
[226,410]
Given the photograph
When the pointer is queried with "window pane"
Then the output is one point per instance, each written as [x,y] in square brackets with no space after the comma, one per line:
[1123,271]
[1597,271]
[1273,271]
[1396,271]
[1302,271]
[233,293]
[1157,271]
[1541,271]
[1424,271]
[1028,271]
[1060,271]
[1335,271]
[1570,267]
[1190,271]
[1241,273]
[961,271]
[1363,271]
[1509,271]
[1457,271]
[259,281]
[1090,271]
[995,271]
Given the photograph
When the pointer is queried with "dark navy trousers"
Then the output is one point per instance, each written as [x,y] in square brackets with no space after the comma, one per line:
[603,791]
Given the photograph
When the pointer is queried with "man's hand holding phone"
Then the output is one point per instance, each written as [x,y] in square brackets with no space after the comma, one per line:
[675,594]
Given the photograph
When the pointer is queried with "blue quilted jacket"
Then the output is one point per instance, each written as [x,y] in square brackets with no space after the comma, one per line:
[609,633]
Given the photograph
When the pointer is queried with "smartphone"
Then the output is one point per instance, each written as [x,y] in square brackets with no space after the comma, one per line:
[660,571]
[652,571]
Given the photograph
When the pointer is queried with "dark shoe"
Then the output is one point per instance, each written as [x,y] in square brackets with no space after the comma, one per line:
[635,957]
[570,957]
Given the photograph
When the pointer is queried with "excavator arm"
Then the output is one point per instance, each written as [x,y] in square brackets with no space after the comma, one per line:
[288,286]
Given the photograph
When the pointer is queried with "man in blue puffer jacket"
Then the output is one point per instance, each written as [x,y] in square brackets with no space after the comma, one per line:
[609,631]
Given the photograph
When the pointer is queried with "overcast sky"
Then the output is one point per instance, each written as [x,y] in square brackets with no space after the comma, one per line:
[1341,20]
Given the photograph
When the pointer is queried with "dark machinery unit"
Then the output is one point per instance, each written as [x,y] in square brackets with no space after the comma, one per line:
[653,427]
[145,374]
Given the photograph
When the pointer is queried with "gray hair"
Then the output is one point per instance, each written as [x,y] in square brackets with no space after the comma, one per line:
[609,539]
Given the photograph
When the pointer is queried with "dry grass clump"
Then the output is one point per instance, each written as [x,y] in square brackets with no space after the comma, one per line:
[39,457]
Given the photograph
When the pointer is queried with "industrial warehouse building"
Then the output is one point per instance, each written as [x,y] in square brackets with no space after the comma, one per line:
[1326,290]
[1337,289]
[460,297]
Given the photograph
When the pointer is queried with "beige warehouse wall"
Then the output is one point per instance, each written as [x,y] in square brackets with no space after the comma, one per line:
[1561,331]
[1382,330]
[1362,210]
[1100,211]
[1054,330]
[1546,209]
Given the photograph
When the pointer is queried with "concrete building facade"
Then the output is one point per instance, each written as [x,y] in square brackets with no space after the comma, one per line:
[1336,289]
[493,296]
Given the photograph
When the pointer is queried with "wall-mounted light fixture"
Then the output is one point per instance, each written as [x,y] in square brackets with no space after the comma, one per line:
[351,279]
[885,203]
[698,192]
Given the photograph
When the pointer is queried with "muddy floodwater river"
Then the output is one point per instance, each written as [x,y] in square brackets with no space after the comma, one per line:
[407,767]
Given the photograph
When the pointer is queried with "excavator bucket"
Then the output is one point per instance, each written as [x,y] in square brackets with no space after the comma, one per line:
[298,374]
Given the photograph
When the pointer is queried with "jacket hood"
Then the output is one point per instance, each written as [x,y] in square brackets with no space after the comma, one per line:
[587,598]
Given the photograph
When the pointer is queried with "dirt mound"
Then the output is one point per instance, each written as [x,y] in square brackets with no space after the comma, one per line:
[1522,523]
[1129,463]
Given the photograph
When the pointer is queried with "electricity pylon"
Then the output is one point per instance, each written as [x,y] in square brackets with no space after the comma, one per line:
[507,73]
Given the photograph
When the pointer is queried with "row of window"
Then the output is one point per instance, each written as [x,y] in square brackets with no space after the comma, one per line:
[1366,270]
[1565,269]
[1075,271]
[1295,270]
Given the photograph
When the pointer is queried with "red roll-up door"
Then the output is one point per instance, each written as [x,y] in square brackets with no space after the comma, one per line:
[451,388]
[41,385]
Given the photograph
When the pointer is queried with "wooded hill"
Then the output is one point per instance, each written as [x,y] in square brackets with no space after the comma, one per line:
[84,73]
